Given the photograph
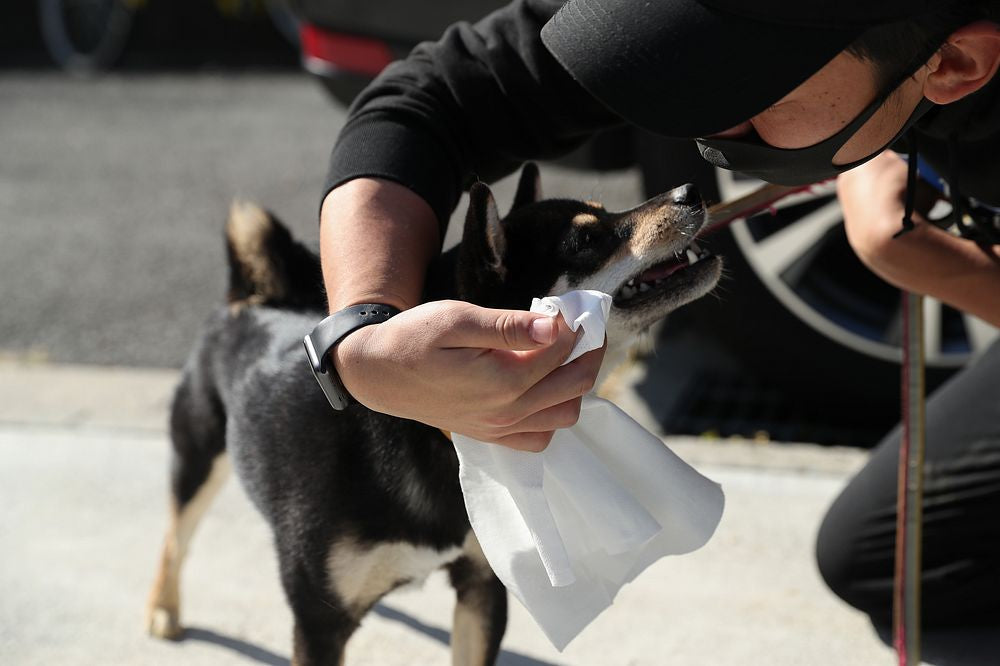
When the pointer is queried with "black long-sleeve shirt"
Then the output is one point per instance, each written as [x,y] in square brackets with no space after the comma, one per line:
[486,97]
[475,104]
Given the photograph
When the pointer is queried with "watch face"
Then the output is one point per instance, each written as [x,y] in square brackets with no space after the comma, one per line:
[327,380]
[314,360]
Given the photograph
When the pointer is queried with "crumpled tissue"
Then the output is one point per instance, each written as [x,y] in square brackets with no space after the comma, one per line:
[566,528]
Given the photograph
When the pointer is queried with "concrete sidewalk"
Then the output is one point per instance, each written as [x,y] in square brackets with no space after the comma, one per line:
[83,464]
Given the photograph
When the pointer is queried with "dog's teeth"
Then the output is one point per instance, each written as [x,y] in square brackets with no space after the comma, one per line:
[631,282]
[692,256]
[644,286]
[659,282]
[628,291]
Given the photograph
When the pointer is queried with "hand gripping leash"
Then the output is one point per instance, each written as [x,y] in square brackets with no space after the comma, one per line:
[909,493]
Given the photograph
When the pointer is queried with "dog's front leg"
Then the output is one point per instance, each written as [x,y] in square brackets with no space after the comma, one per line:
[322,623]
[480,608]
[319,645]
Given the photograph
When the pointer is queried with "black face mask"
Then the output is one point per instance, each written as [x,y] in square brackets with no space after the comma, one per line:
[798,166]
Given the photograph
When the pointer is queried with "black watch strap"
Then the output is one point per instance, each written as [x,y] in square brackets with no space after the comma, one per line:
[328,333]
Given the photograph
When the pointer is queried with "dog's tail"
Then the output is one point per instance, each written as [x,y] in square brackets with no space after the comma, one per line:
[266,265]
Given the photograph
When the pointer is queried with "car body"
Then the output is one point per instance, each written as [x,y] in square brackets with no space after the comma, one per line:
[803,318]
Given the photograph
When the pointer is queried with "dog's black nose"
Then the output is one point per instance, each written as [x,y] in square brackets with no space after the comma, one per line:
[685,195]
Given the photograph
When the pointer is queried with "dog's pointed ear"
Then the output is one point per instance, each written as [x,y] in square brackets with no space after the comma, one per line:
[529,187]
[484,234]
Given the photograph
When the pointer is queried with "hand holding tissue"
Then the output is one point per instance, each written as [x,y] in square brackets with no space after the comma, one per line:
[566,528]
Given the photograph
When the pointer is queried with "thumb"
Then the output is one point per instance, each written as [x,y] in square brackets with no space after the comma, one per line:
[516,330]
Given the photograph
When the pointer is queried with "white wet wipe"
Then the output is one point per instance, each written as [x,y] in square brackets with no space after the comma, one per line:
[566,528]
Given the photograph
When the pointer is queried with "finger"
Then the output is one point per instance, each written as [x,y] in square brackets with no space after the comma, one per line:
[535,442]
[527,368]
[563,383]
[488,328]
[562,415]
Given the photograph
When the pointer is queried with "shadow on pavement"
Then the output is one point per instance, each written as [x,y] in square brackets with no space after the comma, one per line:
[971,646]
[264,656]
[507,658]
[244,648]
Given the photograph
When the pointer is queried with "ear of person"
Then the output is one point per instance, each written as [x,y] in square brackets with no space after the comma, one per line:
[966,63]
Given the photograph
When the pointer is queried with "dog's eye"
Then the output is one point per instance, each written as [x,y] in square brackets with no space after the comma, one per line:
[586,244]
[588,238]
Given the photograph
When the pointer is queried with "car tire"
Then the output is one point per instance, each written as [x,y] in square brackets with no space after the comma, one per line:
[85,36]
[285,20]
[806,334]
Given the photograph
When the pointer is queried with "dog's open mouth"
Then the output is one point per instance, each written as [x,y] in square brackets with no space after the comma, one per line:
[659,278]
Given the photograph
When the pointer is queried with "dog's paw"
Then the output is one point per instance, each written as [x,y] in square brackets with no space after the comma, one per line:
[164,623]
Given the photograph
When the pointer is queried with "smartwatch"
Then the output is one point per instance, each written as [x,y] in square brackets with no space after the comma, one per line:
[328,333]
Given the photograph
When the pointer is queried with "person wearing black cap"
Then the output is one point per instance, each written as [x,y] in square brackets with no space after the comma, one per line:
[786,90]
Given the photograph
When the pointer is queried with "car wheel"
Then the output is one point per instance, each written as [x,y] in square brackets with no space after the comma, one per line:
[85,36]
[285,20]
[799,309]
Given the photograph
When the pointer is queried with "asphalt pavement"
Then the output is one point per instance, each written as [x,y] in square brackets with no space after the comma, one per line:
[114,192]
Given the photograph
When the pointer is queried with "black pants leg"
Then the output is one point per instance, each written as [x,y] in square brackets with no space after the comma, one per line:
[961,553]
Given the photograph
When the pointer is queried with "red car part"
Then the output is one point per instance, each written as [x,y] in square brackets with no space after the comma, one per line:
[325,52]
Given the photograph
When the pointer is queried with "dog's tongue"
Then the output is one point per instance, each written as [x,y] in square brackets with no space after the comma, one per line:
[660,271]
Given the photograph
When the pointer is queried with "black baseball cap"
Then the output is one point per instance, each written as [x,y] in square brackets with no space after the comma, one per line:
[690,68]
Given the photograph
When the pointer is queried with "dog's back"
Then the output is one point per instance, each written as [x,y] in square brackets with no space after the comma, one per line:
[335,467]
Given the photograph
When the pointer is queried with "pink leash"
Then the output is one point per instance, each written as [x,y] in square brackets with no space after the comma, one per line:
[909,493]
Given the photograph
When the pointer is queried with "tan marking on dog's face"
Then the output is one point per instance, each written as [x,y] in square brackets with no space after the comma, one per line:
[595,204]
[360,575]
[582,219]
[656,231]
[657,227]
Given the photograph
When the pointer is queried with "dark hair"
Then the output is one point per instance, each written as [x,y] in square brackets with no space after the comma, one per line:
[900,48]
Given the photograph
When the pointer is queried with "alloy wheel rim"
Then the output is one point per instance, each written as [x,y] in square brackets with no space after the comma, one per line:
[793,248]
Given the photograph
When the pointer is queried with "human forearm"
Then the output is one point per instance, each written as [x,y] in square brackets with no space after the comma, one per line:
[954,270]
[925,260]
[440,363]
[473,105]
[376,241]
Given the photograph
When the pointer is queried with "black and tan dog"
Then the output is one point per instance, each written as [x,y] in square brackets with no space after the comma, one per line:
[360,502]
